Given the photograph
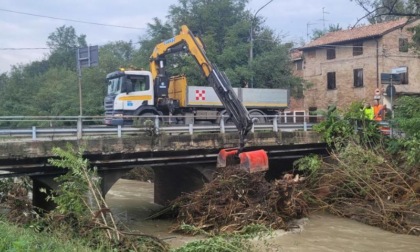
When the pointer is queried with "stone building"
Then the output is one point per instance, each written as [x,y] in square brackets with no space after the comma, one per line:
[346,66]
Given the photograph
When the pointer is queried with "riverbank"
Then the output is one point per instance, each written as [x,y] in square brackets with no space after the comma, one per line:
[132,202]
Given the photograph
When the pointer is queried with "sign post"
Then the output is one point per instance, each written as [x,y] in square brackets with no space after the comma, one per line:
[86,57]
[391,79]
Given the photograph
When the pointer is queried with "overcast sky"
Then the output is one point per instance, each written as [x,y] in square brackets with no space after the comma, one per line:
[289,18]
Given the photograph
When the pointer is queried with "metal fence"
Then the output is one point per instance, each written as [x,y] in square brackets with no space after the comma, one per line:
[70,127]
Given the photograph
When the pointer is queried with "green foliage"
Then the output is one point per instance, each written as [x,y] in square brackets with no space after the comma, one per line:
[113,56]
[71,197]
[407,119]
[57,94]
[309,164]
[411,149]
[49,87]
[339,127]
[317,33]
[224,26]
[82,212]
[379,11]
[6,184]
[16,239]
[407,115]
[217,244]
[236,242]
[334,128]
[385,9]
[189,229]
[358,172]
[157,32]
[416,38]
[64,42]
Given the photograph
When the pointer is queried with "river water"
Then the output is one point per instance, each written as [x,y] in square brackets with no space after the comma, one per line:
[132,201]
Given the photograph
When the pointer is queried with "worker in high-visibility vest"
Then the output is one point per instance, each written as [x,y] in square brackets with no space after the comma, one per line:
[379,111]
[368,111]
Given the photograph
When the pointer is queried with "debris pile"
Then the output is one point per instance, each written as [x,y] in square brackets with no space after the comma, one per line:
[16,204]
[371,188]
[236,198]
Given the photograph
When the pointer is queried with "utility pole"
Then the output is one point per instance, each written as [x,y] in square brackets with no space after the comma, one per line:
[323,16]
[251,40]
[307,30]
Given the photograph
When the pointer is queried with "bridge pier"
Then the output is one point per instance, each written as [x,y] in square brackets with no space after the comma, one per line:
[109,177]
[47,182]
[171,182]
[39,200]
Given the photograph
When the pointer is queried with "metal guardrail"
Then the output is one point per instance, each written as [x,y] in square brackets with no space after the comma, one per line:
[69,127]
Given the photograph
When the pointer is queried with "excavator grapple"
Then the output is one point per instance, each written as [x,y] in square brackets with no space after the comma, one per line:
[250,161]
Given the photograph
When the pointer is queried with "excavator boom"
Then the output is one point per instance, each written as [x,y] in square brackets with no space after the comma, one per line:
[187,42]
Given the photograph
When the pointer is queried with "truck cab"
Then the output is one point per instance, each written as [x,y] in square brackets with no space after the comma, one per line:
[127,92]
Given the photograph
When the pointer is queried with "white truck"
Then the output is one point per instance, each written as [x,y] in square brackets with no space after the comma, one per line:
[191,104]
[148,93]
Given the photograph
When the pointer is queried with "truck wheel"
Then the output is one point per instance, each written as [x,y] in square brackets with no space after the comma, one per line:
[258,117]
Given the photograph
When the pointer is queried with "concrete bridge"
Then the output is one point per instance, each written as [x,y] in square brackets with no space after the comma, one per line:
[181,163]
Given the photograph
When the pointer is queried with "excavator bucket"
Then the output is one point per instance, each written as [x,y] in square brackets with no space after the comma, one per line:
[250,161]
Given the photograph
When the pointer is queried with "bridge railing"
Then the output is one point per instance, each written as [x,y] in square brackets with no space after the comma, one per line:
[70,127]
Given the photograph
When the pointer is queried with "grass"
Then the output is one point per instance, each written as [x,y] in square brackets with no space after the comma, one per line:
[18,239]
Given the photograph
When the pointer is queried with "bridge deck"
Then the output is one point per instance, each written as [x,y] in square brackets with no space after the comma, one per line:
[26,158]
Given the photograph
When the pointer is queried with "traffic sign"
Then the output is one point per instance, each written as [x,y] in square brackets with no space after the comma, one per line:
[390,78]
[399,70]
[88,56]
[391,91]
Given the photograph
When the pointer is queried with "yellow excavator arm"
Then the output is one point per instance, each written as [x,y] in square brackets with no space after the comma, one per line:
[186,42]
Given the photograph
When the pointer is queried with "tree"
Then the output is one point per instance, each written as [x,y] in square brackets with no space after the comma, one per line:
[115,55]
[3,81]
[17,90]
[384,10]
[224,27]
[209,17]
[407,119]
[57,94]
[317,33]
[157,32]
[63,43]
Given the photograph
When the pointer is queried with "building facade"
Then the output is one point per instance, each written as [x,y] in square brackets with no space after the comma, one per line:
[346,66]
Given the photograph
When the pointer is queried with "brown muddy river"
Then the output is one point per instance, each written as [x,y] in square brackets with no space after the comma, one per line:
[132,201]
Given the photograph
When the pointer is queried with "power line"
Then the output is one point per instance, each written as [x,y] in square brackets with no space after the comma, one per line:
[23,48]
[72,20]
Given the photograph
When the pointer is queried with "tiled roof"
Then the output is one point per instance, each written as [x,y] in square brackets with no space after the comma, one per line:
[295,55]
[356,33]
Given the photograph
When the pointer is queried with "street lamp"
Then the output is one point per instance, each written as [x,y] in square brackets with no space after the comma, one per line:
[251,40]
